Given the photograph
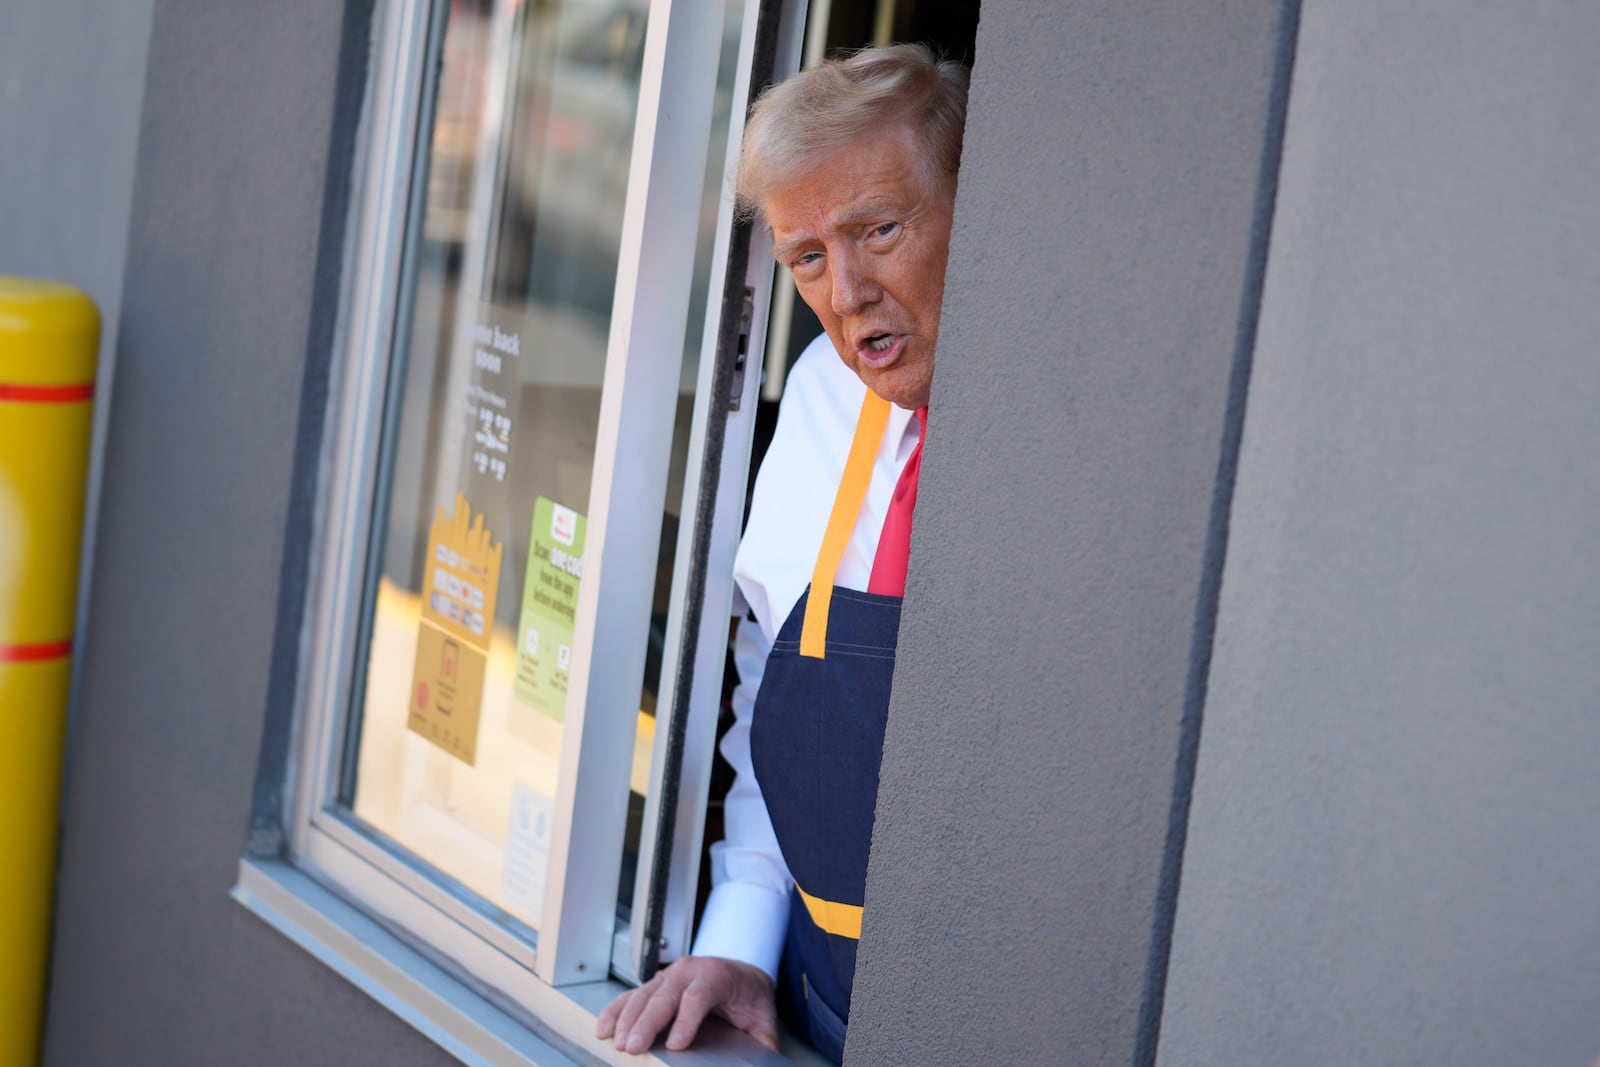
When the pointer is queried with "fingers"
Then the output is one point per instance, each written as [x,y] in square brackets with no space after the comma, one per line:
[620,1015]
[755,1011]
[696,1002]
[682,995]
[631,1012]
[658,1010]
[750,1005]
[606,1023]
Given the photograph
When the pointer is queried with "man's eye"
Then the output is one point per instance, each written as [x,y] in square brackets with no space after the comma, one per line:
[805,259]
[886,229]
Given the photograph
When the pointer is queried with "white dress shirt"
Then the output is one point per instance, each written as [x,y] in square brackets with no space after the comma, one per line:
[748,911]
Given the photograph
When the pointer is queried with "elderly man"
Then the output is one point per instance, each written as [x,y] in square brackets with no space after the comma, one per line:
[853,166]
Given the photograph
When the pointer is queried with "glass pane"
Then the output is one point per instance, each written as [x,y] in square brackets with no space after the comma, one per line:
[479,535]
[710,194]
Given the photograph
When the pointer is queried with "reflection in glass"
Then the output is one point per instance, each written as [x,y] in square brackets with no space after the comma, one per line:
[505,340]
[502,339]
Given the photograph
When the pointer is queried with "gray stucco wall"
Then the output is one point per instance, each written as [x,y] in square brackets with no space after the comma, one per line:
[1100,260]
[224,343]
[1392,855]
[71,81]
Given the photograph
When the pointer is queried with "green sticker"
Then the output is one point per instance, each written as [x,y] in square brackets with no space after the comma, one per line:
[549,607]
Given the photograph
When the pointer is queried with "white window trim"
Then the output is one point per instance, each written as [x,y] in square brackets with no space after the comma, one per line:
[709,642]
[555,1028]
[475,988]
[644,362]
[638,402]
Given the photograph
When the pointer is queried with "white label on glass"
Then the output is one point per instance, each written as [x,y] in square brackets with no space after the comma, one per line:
[522,878]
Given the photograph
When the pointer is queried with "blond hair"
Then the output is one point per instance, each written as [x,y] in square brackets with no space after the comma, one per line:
[797,124]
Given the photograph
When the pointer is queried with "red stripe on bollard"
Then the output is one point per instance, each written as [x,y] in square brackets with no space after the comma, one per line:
[36,653]
[46,394]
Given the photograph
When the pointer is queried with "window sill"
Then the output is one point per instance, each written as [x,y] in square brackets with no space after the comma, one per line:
[456,1017]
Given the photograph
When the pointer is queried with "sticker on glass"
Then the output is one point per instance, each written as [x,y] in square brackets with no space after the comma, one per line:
[462,574]
[522,878]
[549,607]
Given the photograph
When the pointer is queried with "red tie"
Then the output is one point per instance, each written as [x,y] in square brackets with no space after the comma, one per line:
[894,543]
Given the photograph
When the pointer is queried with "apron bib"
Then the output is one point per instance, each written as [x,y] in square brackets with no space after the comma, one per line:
[816,742]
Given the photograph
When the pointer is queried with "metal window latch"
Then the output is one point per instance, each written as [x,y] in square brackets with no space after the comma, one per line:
[741,354]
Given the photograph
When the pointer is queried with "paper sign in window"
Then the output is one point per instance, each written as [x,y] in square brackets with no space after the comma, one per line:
[549,607]
[522,877]
[463,572]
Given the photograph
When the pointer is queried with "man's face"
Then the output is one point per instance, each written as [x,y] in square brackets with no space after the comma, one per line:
[866,236]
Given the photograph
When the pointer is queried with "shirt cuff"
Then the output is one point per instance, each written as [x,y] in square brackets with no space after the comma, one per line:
[747,923]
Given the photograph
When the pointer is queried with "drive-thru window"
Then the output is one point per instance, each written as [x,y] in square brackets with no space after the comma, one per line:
[555,373]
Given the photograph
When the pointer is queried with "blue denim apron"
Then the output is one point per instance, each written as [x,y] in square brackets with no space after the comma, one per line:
[816,742]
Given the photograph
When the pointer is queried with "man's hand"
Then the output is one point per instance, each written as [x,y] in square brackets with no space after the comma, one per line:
[683,995]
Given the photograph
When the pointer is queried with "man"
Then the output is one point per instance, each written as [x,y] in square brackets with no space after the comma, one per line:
[853,167]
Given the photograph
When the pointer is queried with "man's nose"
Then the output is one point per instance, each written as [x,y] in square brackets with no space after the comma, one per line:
[853,285]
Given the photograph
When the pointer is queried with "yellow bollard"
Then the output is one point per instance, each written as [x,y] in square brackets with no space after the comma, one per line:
[49,334]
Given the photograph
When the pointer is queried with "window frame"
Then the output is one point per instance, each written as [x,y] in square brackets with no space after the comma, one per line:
[474,987]
[743,276]
[579,930]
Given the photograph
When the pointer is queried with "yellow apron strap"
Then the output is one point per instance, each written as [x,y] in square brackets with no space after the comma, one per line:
[841,920]
[842,521]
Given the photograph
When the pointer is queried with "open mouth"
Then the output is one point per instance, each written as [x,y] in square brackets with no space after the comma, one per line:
[880,349]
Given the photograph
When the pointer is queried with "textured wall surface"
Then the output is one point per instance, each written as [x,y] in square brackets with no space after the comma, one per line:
[1392,853]
[1100,254]
[71,81]
[154,964]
